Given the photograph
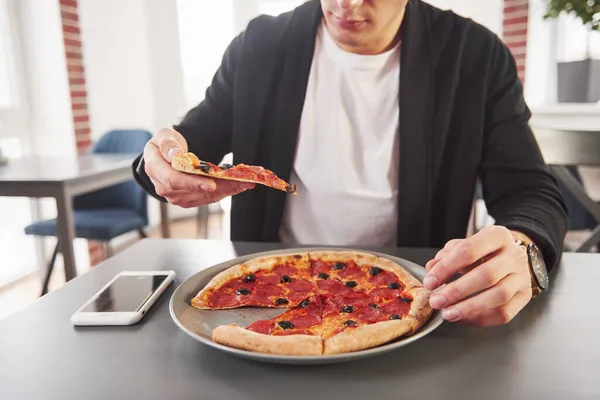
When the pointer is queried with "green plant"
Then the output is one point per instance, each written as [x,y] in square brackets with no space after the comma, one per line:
[588,11]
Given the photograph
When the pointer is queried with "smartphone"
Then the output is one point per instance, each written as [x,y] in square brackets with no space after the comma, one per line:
[125,299]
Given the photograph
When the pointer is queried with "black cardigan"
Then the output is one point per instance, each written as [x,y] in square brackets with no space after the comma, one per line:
[462,117]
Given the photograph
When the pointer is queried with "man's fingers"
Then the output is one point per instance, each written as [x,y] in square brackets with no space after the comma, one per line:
[500,315]
[187,199]
[494,298]
[468,252]
[483,277]
[442,253]
[160,170]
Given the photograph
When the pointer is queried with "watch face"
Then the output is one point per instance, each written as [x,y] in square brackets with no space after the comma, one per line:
[536,260]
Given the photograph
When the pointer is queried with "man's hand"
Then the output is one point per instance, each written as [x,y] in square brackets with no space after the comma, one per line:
[495,285]
[178,188]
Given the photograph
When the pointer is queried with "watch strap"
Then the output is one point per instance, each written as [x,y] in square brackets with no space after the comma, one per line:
[535,288]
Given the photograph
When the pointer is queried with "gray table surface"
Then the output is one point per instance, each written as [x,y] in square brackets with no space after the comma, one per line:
[549,351]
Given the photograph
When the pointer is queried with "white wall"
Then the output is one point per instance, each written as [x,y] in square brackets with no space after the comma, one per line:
[132,60]
[46,78]
[486,12]
[117,64]
[133,68]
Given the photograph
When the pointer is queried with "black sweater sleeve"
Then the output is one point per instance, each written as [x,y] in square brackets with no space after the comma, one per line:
[206,127]
[519,190]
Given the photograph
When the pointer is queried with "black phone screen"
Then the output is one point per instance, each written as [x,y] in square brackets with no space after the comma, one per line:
[126,294]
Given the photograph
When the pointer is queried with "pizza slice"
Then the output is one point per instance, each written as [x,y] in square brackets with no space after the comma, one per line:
[295,332]
[361,322]
[190,163]
[275,281]
[368,301]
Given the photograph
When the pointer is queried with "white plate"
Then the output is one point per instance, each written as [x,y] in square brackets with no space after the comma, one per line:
[199,324]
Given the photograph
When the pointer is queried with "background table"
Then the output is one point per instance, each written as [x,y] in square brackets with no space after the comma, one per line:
[549,351]
[564,148]
[65,177]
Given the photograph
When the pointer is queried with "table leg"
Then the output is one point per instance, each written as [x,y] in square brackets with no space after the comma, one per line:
[563,174]
[164,220]
[66,233]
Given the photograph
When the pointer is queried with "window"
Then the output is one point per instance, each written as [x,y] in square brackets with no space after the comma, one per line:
[18,251]
[205,30]
[8,94]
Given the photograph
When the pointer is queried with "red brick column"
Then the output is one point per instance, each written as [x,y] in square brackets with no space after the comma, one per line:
[76,75]
[516,17]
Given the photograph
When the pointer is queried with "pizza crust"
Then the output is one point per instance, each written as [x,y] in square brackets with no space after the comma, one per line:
[254,265]
[293,345]
[361,259]
[420,310]
[367,336]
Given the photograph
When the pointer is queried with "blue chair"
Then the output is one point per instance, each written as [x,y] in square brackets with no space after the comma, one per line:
[106,213]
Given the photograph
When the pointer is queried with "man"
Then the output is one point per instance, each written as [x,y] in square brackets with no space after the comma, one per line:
[384,113]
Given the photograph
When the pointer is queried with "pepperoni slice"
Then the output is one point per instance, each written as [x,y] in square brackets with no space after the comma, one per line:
[367,314]
[383,278]
[256,300]
[305,321]
[384,293]
[300,285]
[332,286]
[319,266]
[269,289]
[351,272]
[395,307]
[297,297]
[272,279]
[264,327]
[281,270]
[220,299]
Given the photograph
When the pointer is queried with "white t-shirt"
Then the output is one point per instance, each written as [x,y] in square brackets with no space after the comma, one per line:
[346,165]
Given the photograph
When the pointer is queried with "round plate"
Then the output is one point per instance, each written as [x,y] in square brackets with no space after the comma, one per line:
[199,324]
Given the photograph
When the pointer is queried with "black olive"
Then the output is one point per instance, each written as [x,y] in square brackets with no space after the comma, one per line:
[394,285]
[348,309]
[339,265]
[350,323]
[225,166]
[323,275]
[395,316]
[242,291]
[204,167]
[290,189]
[297,256]
[405,299]
[281,301]
[351,284]
[285,279]
[373,305]
[285,324]
[250,278]
[375,271]
[304,303]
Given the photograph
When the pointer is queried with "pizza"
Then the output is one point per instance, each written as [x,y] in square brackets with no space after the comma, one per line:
[335,302]
[190,163]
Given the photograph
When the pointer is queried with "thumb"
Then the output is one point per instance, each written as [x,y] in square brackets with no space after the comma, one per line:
[168,149]
[169,143]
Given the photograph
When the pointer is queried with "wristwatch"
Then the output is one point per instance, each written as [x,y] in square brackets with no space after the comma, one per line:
[537,266]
